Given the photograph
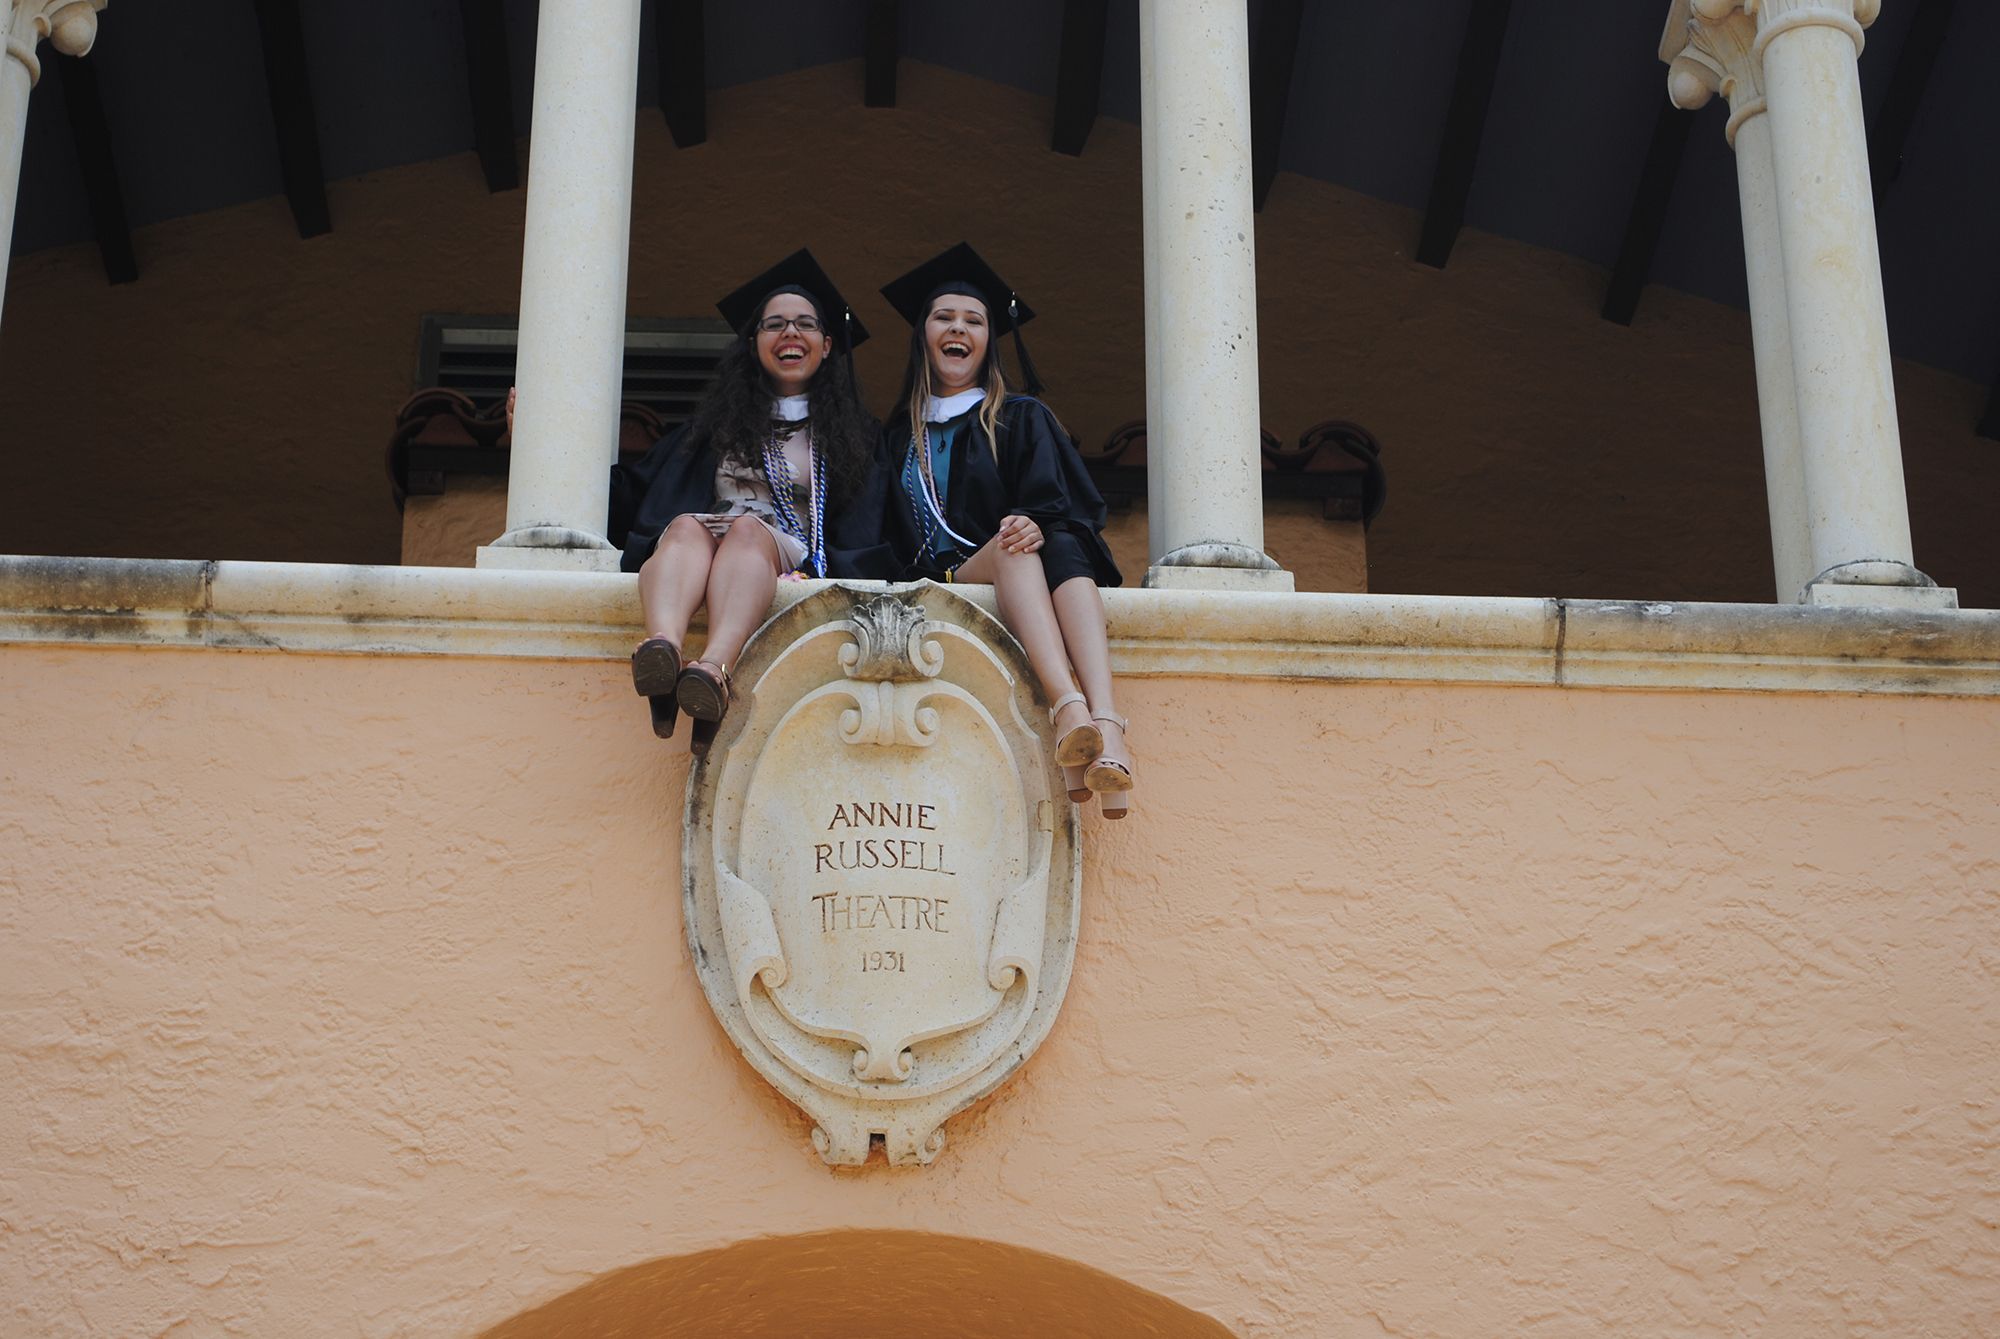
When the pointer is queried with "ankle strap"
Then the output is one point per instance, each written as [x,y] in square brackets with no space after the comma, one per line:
[1113,717]
[1067,699]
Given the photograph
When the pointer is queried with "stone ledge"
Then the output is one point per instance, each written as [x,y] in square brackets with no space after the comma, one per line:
[454,611]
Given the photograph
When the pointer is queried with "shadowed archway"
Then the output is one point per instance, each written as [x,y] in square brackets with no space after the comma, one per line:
[860,1285]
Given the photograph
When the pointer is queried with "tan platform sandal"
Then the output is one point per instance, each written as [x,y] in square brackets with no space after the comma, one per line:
[1109,779]
[1078,746]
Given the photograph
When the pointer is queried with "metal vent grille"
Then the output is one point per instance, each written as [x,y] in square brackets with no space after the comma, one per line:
[669,365]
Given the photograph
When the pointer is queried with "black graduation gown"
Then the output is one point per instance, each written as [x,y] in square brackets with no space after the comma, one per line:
[1036,473]
[677,476]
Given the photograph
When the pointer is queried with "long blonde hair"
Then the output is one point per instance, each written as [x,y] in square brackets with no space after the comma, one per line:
[917,393]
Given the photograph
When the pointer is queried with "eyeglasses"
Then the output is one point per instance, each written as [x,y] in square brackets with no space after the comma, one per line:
[775,325]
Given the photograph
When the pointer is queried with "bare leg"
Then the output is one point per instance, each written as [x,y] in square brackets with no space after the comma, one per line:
[1079,609]
[672,581]
[741,582]
[1023,595]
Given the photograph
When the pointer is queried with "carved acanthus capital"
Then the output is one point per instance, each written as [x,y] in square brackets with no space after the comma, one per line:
[1708,54]
[69,25]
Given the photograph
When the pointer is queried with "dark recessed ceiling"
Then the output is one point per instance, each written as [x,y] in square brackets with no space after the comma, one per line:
[1575,100]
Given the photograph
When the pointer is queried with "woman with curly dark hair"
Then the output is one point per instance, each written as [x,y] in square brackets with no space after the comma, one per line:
[993,491]
[773,479]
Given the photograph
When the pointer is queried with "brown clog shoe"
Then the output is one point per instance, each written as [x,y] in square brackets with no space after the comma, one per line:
[703,690]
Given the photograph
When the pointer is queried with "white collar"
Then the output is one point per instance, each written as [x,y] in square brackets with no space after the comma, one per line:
[792,408]
[951,406]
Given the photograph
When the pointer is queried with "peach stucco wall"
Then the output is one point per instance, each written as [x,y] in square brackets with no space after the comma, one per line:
[347,995]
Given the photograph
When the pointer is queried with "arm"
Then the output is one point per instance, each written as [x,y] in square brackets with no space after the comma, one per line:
[1046,479]
[1051,488]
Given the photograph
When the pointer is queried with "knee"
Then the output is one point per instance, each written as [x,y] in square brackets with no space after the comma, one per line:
[1016,562]
[684,536]
[684,529]
[747,535]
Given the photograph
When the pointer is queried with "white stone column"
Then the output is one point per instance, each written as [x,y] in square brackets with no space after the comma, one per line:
[71,27]
[1205,478]
[570,369]
[1708,56]
[1149,188]
[1846,395]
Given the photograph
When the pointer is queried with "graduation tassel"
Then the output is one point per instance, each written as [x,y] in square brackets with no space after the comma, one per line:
[847,349]
[1030,382]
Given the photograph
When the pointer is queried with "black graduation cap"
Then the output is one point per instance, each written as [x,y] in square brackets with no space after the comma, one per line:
[798,273]
[963,270]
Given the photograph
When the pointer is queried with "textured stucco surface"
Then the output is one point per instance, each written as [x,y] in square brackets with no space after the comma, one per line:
[1532,448]
[348,996]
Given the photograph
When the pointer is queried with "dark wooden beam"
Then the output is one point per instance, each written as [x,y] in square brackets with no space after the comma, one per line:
[680,46]
[1079,73]
[1912,76]
[1648,218]
[284,38]
[1271,89]
[92,133]
[489,79]
[1464,125]
[880,50]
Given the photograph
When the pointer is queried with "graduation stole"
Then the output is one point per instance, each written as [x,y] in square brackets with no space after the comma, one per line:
[778,473]
[920,482]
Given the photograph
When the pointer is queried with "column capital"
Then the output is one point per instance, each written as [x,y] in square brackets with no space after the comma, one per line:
[1707,55]
[71,25]
[1776,17]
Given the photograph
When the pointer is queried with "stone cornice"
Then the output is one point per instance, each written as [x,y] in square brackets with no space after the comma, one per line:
[70,25]
[414,611]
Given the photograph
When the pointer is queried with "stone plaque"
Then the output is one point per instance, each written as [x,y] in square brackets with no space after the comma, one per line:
[881,864]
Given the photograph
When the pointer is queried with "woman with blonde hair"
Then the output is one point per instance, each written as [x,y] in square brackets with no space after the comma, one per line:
[993,491]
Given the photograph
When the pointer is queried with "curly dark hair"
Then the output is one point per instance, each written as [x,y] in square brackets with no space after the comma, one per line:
[734,419]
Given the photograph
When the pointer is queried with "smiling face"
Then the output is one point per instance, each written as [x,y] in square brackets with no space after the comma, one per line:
[955,338]
[790,357]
